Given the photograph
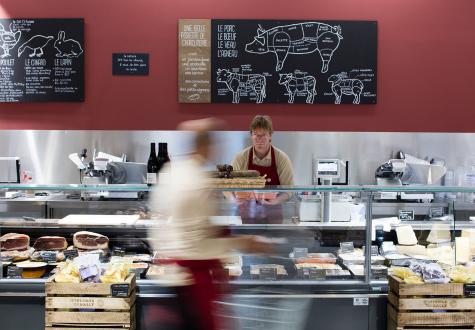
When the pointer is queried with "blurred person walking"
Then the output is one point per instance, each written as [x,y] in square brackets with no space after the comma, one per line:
[188,237]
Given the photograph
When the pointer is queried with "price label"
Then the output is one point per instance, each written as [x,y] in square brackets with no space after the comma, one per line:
[436,212]
[48,256]
[14,272]
[71,254]
[469,290]
[300,252]
[317,274]
[361,301]
[406,215]
[118,251]
[119,290]
[268,274]
[347,247]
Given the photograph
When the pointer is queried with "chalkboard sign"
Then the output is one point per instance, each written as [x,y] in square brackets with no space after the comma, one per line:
[130,64]
[71,254]
[119,290]
[41,60]
[279,61]
[48,256]
[14,272]
[406,215]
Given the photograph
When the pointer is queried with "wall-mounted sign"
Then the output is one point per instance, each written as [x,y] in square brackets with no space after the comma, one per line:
[194,61]
[273,61]
[130,64]
[41,60]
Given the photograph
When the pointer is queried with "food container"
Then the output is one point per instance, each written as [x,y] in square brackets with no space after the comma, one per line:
[32,269]
[138,268]
[317,258]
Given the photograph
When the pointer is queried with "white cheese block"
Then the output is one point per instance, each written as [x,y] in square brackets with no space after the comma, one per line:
[462,250]
[405,235]
[411,250]
[439,233]
[470,233]
[443,254]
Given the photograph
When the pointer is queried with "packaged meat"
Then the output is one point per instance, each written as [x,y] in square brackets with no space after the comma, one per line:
[55,243]
[90,241]
[13,241]
[317,258]
[317,266]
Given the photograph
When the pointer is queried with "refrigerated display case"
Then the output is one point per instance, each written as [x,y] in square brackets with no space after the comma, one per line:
[326,270]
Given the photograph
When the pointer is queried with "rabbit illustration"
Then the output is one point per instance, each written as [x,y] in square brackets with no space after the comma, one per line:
[67,48]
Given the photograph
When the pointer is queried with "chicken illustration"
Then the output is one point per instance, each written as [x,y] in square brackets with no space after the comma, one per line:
[36,44]
[8,40]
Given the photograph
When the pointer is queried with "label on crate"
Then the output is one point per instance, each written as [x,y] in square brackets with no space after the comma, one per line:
[48,256]
[300,252]
[316,274]
[469,290]
[71,254]
[347,247]
[14,272]
[119,290]
[268,274]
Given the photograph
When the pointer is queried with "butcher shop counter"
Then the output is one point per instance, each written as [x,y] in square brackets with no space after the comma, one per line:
[335,303]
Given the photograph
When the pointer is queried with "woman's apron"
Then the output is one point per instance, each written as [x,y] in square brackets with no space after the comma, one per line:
[253,211]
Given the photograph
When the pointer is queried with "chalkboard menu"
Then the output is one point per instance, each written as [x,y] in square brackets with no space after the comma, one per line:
[275,61]
[41,60]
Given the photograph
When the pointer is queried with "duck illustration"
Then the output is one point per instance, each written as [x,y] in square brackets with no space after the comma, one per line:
[36,43]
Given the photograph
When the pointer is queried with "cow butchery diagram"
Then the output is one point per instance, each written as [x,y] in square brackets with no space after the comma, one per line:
[294,62]
[248,84]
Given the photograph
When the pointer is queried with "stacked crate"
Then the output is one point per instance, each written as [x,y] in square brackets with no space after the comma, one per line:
[92,306]
[429,306]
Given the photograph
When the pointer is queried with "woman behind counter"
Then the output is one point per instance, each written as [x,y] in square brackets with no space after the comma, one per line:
[270,161]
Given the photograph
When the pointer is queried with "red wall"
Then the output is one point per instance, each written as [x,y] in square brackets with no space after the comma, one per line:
[426,58]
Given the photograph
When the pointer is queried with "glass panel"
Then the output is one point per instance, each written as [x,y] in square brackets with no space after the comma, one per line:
[414,229]
[315,233]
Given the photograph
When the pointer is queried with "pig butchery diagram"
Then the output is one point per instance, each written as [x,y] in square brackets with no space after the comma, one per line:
[294,62]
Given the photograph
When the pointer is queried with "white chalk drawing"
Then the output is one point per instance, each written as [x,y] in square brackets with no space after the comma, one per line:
[67,47]
[342,85]
[297,39]
[36,44]
[8,39]
[298,83]
[243,83]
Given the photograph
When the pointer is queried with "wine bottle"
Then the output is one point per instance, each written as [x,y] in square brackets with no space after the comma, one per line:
[152,166]
[162,154]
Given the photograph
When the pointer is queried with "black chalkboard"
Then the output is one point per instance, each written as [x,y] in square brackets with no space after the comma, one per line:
[130,64]
[119,290]
[305,61]
[41,60]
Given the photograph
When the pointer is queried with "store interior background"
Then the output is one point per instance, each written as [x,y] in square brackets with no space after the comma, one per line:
[426,53]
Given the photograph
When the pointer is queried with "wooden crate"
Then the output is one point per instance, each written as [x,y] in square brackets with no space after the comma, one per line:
[429,306]
[89,306]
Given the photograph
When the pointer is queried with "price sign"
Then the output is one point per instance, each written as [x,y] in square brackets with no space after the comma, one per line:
[48,256]
[317,274]
[361,301]
[14,272]
[268,274]
[119,290]
[347,247]
[406,215]
[71,254]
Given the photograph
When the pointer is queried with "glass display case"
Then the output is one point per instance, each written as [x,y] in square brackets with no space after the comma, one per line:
[333,245]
